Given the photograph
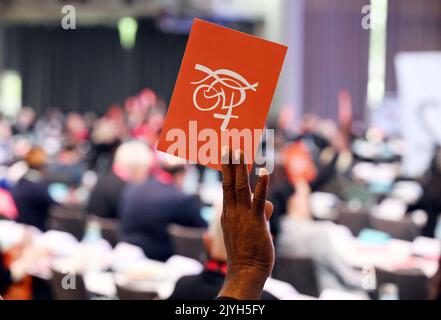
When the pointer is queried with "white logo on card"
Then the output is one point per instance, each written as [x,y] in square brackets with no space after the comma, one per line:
[224,89]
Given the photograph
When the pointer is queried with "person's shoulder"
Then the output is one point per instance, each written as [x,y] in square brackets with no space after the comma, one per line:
[172,191]
[188,280]
[25,181]
[154,184]
[184,287]
[130,192]
[132,189]
[190,202]
[28,185]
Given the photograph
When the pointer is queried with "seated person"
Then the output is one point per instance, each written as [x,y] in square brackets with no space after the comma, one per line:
[210,280]
[324,163]
[300,235]
[68,166]
[148,209]
[430,201]
[106,195]
[30,194]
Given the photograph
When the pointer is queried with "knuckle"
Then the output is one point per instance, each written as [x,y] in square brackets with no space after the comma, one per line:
[227,187]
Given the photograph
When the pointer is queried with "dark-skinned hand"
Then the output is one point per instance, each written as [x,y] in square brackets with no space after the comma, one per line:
[245,228]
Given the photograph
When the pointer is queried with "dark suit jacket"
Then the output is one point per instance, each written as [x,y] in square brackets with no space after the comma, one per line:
[148,209]
[106,196]
[33,201]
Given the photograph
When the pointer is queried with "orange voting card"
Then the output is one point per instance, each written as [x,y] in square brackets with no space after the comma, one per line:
[222,94]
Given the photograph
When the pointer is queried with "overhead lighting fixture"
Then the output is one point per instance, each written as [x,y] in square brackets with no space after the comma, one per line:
[377,53]
[127,27]
[10,93]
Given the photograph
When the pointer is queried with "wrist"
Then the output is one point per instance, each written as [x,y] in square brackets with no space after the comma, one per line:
[244,282]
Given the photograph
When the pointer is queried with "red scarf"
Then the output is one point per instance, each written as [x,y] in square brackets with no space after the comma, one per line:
[215,266]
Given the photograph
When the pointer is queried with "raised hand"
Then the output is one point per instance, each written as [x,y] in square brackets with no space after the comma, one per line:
[245,227]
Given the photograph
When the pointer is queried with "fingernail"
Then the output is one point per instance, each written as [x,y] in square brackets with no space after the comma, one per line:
[237,155]
[263,172]
[224,151]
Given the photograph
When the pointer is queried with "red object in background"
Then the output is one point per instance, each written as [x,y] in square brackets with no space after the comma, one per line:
[130,104]
[344,107]
[21,290]
[140,131]
[148,97]
[216,266]
[345,113]
[7,205]
[298,163]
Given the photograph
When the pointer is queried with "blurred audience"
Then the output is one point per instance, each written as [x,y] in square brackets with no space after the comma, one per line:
[107,133]
[132,163]
[301,236]
[108,166]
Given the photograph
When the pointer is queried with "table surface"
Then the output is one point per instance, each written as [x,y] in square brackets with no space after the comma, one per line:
[392,255]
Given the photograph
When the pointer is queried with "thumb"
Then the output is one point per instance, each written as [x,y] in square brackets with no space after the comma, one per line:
[268,210]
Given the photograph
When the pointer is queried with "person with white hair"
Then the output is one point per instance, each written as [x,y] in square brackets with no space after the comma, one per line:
[132,163]
[149,208]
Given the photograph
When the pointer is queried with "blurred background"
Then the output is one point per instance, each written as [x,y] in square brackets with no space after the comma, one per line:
[90,210]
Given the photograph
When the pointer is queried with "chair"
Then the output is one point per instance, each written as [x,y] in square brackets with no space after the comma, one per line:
[187,241]
[109,229]
[403,229]
[126,293]
[71,220]
[299,272]
[72,288]
[355,221]
[412,284]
